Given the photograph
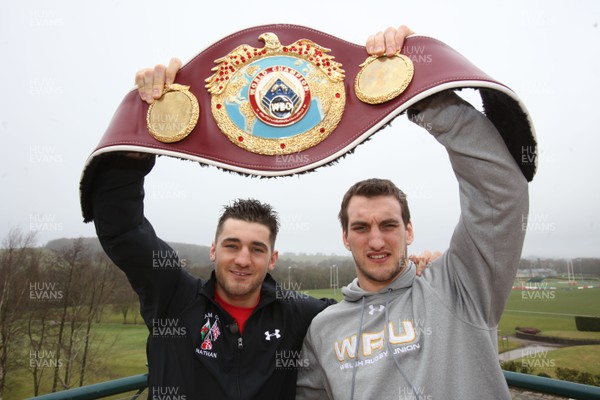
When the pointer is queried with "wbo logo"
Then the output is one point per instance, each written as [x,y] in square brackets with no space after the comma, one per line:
[277,100]
[279,96]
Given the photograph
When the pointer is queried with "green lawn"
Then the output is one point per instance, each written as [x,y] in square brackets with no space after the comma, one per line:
[582,358]
[552,312]
[327,293]
[129,346]
[121,352]
[558,301]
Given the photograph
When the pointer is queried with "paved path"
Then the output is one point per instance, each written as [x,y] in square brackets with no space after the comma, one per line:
[528,350]
[529,347]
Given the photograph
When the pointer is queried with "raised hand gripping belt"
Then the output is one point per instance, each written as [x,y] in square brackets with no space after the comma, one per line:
[248,77]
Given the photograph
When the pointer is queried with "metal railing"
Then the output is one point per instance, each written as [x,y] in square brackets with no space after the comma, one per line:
[514,379]
[102,389]
[552,386]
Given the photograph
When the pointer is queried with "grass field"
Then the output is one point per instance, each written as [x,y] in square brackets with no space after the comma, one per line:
[582,358]
[551,311]
[121,353]
[122,349]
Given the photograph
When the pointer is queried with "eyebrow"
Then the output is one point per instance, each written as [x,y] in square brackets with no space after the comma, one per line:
[365,223]
[238,241]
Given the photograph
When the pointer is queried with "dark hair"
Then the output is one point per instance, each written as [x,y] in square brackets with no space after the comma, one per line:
[251,210]
[372,188]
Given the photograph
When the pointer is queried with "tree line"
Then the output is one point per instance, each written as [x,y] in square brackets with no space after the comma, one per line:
[49,303]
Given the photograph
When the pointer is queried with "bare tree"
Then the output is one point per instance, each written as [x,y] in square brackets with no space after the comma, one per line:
[38,332]
[99,287]
[69,261]
[123,298]
[45,300]
[17,248]
[65,322]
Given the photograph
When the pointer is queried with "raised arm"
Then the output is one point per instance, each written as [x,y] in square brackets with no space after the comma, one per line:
[478,270]
[152,266]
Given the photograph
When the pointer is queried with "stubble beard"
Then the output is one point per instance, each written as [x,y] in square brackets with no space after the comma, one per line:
[235,289]
[391,275]
[387,277]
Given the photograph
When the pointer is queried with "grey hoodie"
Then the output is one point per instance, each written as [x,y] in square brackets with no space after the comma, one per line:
[433,337]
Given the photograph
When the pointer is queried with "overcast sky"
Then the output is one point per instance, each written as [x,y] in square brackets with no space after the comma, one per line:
[68,64]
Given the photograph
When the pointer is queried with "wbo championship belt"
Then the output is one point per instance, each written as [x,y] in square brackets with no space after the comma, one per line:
[282,99]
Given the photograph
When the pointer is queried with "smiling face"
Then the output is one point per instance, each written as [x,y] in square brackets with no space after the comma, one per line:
[242,255]
[378,239]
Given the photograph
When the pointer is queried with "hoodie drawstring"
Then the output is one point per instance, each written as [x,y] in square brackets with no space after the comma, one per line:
[390,348]
[358,344]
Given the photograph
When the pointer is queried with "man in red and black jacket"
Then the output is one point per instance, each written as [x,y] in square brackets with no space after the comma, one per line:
[237,335]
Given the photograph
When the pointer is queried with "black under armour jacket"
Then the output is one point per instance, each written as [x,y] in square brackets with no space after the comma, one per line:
[194,348]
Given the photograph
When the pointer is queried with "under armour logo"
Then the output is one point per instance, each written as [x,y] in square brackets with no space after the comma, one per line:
[269,335]
[373,309]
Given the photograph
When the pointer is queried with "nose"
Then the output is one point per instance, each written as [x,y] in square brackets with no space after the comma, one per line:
[242,258]
[376,240]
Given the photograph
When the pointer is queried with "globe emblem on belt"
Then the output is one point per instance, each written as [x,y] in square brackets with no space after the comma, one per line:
[279,96]
[279,99]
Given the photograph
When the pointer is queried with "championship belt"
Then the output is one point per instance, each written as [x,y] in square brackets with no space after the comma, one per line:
[280,99]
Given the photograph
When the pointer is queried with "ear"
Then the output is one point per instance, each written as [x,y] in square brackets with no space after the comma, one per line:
[273,261]
[345,239]
[410,234]
[213,252]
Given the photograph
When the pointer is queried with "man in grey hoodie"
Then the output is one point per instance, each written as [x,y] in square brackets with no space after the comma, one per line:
[395,336]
